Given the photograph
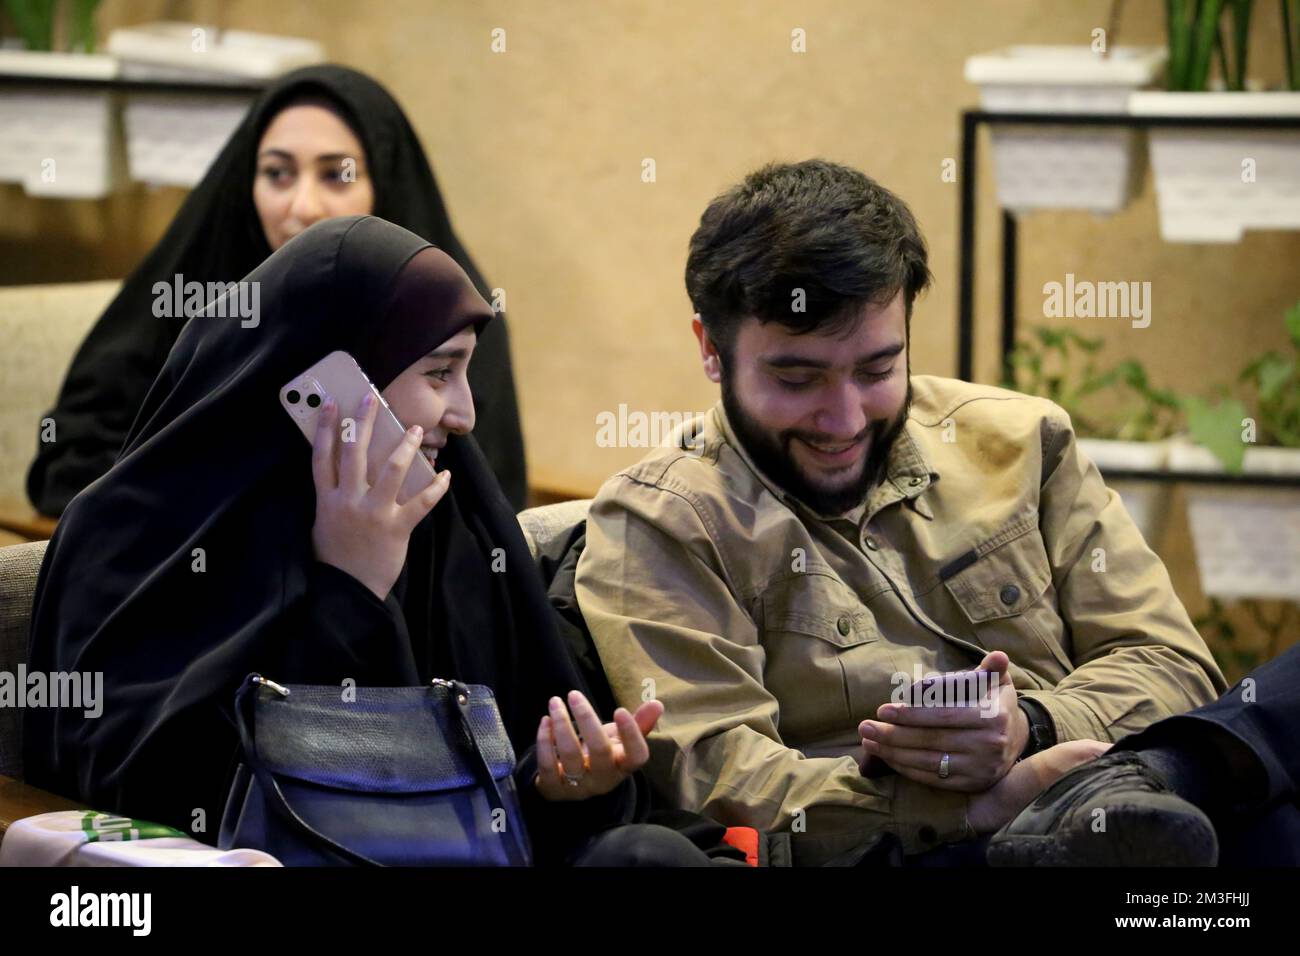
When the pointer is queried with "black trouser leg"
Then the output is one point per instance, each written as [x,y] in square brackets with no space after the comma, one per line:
[1256,723]
[640,844]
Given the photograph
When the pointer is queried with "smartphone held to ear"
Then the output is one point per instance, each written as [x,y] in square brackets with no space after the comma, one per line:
[338,376]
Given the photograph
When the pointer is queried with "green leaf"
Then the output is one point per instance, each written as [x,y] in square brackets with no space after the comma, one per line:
[1293,324]
[1053,340]
[1180,42]
[1209,12]
[1218,428]
[1133,374]
[1088,345]
[34,20]
[1273,375]
[81,25]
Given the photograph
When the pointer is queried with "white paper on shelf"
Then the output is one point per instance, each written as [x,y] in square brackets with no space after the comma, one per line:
[211,53]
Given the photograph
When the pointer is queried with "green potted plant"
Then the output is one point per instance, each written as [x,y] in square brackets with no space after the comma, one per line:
[57,142]
[1062,365]
[1212,184]
[1056,167]
[1247,539]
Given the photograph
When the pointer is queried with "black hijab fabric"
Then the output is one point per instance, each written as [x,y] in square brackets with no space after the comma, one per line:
[217,237]
[214,463]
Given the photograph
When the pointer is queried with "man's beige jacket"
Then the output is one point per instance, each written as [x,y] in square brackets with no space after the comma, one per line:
[769,631]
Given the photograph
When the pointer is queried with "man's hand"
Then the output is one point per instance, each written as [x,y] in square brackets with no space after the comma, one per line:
[982,741]
[996,807]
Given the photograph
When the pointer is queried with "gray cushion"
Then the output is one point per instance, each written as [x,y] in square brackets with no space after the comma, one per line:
[545,523]
[19,566]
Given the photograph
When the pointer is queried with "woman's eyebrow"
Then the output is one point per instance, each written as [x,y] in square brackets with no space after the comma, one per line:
[275,152]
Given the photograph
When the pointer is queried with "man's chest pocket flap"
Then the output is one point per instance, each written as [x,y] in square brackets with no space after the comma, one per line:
[1005,581]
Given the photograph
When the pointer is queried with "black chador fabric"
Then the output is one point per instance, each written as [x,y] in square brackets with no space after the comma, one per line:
[217,237]
[189,564]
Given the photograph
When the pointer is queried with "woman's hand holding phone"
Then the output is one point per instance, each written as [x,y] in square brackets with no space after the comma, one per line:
[359,528]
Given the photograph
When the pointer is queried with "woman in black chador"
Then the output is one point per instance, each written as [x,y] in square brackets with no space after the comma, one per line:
[321,142]
[218,545]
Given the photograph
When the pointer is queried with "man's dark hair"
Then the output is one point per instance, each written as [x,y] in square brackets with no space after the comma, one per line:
[816,226]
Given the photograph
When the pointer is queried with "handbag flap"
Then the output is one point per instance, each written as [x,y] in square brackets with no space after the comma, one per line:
[386,740]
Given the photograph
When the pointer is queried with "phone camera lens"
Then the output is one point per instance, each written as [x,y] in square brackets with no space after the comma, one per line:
[313,400]
[292,396]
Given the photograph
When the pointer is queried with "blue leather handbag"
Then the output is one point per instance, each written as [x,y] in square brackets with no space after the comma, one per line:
[398,776]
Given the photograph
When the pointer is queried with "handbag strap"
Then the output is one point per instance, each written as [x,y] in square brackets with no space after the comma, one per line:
[244,700]
[514,842]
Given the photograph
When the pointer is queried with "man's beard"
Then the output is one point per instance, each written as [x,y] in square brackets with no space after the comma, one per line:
[773,455]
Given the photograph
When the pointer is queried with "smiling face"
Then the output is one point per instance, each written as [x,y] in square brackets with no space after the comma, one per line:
[817,412]
[433,392]
[310,166]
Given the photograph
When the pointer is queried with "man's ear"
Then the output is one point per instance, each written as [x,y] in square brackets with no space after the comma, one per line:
[708,352]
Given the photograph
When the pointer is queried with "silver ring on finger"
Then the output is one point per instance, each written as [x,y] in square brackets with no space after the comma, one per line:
[572,779]
[943,766]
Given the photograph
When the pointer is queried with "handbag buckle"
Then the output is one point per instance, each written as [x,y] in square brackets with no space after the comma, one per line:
[267,682]
[461,691]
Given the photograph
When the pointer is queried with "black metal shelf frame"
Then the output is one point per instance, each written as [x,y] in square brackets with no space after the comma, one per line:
[971,121]
[118,85]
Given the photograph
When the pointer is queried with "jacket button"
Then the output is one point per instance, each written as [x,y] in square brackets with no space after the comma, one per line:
[871,543]
[844,624]
[1009,594]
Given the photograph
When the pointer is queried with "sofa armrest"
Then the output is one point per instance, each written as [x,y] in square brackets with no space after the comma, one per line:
[20,518]
[19,800]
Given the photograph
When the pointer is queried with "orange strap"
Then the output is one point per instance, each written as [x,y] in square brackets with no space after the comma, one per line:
[744,839]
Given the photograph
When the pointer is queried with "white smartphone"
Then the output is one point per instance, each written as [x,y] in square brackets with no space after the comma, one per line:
[338,376]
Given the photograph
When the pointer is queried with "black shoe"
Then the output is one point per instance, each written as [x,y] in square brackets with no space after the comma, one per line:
[1145,823]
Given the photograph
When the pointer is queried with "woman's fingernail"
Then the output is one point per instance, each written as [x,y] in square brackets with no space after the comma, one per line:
[414,433]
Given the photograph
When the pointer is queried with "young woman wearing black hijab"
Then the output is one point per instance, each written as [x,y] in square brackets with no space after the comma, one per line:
[203,555]
[320,142]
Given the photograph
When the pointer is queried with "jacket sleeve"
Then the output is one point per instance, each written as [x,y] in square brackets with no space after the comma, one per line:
[655,595]
[1137,656]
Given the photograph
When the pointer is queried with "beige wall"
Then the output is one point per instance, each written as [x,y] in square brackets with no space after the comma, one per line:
[539,152]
